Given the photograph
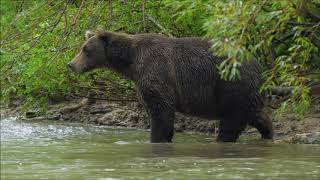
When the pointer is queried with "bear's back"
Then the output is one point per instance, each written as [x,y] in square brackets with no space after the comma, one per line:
[190,68]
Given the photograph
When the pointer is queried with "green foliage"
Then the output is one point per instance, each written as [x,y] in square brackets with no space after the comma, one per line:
[38,38]
[283,35]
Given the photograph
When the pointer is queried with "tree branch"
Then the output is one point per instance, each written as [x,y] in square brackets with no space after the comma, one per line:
[164,30]
[301,24]
[74,22]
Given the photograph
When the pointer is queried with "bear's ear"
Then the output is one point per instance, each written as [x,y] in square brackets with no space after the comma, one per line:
[105,37]
[100,31]
[89,34]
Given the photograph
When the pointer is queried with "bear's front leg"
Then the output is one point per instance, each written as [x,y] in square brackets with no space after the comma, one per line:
[162,124]
[160,108]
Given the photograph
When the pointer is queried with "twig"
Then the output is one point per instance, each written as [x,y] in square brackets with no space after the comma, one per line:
[283,38]
[280,91]
[283,91]
[21,6]
[301,24]
[59,19]
[74,22]
[164,30]
[107,99]
[312,14]
[143,16]
[75,107]
[110,13]
[32,27]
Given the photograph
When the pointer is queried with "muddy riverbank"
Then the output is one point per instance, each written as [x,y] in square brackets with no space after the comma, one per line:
[131,115]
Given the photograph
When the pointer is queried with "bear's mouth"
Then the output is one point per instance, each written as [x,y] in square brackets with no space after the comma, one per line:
[80,71]
[73,67]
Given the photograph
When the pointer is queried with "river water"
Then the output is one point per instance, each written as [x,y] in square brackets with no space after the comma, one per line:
[56,150]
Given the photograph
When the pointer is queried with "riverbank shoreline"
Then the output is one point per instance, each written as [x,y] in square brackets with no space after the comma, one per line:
[287,129]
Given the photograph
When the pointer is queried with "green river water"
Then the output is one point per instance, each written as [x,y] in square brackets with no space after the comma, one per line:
[56,150]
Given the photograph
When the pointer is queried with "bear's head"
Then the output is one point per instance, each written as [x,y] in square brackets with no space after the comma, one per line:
[103,49]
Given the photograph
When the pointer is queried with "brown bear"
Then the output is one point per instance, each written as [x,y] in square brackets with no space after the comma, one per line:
[179,74]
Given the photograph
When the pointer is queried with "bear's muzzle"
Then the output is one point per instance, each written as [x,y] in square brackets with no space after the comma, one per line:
[70,66]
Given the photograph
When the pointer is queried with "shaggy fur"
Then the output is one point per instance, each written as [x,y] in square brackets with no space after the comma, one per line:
[179,74]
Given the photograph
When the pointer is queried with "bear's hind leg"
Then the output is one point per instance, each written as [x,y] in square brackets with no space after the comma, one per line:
[264,125]
[229,131]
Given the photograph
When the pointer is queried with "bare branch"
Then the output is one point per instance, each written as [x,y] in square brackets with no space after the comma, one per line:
[302,24]
[74,22]
[164,30]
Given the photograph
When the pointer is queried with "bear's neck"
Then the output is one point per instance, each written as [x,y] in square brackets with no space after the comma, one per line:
[122,57]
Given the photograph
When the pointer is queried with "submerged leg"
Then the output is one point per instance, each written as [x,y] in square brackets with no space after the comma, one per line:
[162,124]
[160,109]
[229,131]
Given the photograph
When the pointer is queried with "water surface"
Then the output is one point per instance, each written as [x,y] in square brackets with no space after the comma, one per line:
[56,150]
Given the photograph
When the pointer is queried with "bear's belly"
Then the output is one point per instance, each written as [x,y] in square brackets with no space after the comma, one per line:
[198,105]
[207,113]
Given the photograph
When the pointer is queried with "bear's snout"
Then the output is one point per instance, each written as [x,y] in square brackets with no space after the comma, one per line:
[70,66]
[77,66]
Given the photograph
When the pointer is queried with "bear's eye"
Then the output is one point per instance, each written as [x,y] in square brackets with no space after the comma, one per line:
[85,49]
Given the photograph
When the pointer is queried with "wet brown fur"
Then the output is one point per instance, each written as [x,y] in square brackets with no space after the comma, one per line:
[180,74]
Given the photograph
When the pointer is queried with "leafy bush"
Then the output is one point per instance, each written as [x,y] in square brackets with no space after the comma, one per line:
[283,35]
[39,37]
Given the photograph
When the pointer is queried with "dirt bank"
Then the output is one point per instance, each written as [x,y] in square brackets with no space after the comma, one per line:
[287,128]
